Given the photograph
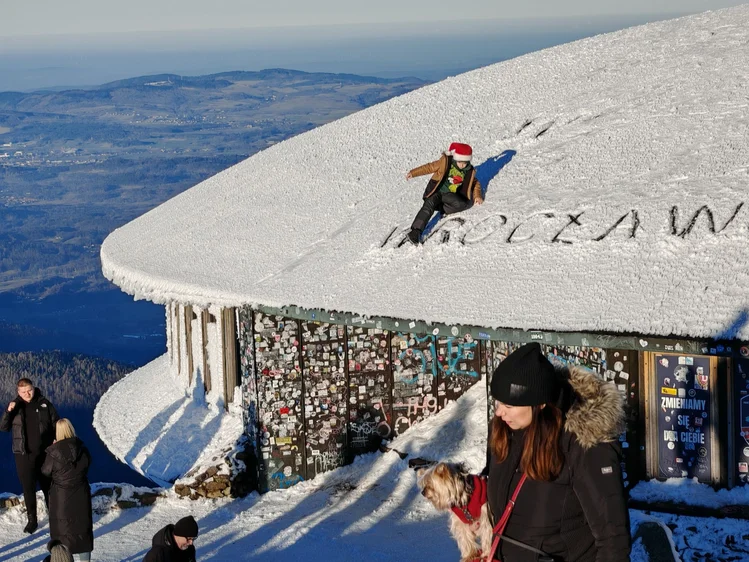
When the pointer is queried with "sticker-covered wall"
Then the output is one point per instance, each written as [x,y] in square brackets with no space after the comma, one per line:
[317,394]
[684,420]
[319,389]
[370,411]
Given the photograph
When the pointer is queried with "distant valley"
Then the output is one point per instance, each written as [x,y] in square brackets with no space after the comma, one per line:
[76,164]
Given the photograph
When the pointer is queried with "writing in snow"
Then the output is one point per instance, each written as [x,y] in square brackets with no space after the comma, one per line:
[576,227]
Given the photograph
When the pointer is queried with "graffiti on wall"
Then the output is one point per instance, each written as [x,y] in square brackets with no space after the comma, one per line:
[621,370]
[370,388]
[279,376]
[430,372]
[459,361]
[325,390]
[317,394]
[414,379]
[592,358]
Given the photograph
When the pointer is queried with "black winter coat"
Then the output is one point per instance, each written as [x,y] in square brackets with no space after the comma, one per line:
[164,549]
[70,517]
[16,421]
[581,516]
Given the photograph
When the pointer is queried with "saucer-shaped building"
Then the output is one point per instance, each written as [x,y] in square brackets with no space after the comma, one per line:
[614,232]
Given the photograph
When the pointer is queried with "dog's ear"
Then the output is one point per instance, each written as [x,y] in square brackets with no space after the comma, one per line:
[441,469]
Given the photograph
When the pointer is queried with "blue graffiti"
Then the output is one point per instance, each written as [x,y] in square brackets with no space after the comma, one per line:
[279,481]
[457,350]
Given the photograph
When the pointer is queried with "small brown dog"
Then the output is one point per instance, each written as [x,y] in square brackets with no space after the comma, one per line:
[450,487]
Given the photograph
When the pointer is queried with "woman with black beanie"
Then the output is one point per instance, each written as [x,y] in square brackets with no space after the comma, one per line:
[553,445]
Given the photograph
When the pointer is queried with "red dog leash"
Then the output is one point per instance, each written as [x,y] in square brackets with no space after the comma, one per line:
[500,527]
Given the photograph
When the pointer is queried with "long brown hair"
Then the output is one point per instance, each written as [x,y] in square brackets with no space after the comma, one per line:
[542,457]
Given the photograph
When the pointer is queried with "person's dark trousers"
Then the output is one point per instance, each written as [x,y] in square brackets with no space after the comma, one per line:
[29,469]
[446,203]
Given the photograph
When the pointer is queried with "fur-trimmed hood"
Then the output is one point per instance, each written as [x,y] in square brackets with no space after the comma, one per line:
[596,414]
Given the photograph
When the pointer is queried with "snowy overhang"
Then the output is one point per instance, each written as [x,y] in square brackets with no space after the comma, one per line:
[616,171]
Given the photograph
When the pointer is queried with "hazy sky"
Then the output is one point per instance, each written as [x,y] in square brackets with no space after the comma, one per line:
[44,17]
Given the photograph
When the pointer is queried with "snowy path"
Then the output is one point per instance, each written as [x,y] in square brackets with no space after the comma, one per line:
[371,509]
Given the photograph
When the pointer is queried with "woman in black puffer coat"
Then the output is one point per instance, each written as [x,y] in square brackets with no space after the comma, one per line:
[554,438]
[70,517]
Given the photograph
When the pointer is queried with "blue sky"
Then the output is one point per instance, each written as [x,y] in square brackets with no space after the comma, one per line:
[46,17]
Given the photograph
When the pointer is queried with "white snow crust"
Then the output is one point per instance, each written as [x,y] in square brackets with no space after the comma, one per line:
[152,423]
[689,492]
[640,120]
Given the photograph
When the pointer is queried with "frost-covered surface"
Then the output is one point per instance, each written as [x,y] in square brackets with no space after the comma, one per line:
[368,510]
[157,427]
[626,125]
[691,492]
[700,539]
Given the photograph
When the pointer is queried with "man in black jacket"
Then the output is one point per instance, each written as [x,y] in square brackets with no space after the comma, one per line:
[32,419]
[174,543]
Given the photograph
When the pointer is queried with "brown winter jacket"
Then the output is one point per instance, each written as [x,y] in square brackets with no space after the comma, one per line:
[470,188]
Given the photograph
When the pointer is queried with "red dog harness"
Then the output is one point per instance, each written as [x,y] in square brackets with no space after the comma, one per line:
[471,513]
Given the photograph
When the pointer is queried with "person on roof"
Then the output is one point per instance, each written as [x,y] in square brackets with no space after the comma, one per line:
[554,445]
[31,418]
[452,188]
[70,514]
[174,543]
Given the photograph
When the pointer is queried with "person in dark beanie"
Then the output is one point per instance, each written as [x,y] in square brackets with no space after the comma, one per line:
[70,514]
[554,441]
[174,543]
[452,188]
[31,418]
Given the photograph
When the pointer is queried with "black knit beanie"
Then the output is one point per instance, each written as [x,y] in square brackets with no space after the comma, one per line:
[526,378]
[186,527]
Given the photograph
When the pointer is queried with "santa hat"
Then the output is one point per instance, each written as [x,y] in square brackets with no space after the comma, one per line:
[460,152]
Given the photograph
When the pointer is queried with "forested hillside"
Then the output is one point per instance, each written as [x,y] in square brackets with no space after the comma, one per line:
[70,380]
[74,383]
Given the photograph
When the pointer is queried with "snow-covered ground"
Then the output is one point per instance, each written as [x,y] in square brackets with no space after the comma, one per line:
[152,424]
[370,510]
[596,156]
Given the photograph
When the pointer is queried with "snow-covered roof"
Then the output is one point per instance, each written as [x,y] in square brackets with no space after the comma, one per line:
[638,129]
